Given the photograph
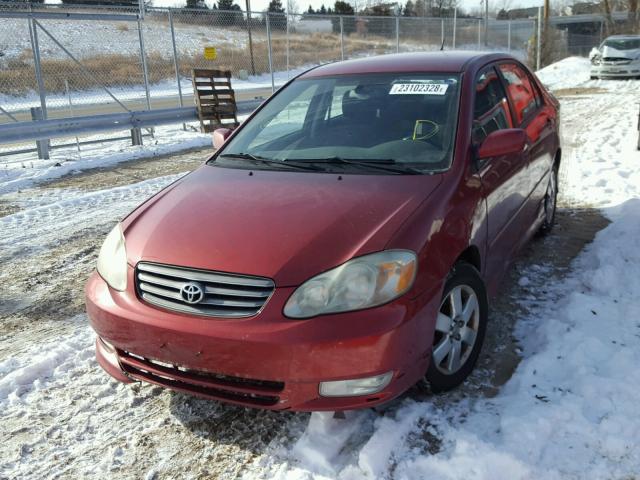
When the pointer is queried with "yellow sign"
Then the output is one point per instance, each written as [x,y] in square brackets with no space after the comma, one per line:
[210,53]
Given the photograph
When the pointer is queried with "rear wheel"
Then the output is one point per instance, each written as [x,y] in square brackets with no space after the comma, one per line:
[460,329]
[550,201]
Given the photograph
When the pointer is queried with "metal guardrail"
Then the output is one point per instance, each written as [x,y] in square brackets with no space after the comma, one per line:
[71,126]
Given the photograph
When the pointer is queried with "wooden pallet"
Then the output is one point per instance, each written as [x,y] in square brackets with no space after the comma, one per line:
[215,99]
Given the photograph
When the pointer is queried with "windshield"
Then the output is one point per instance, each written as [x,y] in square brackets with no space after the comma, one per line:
[622,43]
[399,118]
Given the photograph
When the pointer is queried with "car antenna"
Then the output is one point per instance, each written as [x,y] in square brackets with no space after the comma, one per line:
[442,46]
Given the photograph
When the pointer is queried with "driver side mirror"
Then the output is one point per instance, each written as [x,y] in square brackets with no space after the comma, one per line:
[503,142]
[220,135]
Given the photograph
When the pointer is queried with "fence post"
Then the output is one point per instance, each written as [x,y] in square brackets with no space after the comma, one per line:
[455,18]
[176,64]
[42,145]
[35,47]
[508,35]
[253,65]
[479,33]
[342,38]
[136,136]
[143,59]
[538,38]
[442,31]
[287,20]
[397,33]
[268,22]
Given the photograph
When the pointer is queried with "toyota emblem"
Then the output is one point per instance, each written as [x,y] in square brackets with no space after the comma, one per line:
[192,293]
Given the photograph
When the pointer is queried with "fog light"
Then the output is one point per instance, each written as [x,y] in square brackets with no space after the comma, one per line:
[355,387]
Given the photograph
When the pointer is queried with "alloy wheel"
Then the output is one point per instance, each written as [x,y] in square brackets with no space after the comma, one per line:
[456,329]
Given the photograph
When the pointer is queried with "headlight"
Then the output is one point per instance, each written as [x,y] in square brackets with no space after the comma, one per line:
[360,283]
[112,260]
[596,59]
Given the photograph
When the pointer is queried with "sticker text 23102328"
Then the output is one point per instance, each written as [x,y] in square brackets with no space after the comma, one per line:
[418,89]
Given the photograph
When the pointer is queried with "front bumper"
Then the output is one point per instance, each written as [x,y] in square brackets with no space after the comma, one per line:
[266,361]
[604,70]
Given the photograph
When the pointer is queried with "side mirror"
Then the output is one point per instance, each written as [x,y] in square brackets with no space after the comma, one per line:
[503,142]
[220,135]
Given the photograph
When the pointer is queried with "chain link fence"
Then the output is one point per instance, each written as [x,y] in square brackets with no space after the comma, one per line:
[92,60]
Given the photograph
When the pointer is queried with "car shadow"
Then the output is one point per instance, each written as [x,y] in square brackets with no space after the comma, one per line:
[248,429]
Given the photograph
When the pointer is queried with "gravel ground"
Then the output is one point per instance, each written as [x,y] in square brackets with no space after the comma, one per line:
[87,425]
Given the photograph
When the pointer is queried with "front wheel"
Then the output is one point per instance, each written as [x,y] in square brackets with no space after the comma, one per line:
[460,329]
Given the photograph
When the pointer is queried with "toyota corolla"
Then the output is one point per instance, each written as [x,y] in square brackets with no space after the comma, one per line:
[342,244]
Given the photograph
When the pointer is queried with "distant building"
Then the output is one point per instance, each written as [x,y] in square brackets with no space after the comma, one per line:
[582,8]
[516,13]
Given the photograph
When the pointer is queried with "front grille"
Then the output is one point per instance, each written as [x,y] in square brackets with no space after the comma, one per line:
[616,61]
[261,393]
[223,294]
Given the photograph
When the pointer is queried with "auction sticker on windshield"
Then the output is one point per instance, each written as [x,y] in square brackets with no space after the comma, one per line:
[418,89]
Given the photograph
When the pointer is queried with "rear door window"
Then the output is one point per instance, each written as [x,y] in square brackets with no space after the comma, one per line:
[490,109]
[524,97]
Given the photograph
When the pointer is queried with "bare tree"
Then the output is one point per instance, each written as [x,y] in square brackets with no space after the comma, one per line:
[633,16]
[292,7]
[606,6]
[497,5]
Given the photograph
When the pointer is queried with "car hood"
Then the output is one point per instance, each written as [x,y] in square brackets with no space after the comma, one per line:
[287,226]
[610,52]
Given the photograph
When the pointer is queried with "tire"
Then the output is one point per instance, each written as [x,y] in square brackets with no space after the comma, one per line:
[594,77]
[550,203]
[452,329]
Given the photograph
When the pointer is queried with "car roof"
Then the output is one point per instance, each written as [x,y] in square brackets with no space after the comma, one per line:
[435,62]
[622,37]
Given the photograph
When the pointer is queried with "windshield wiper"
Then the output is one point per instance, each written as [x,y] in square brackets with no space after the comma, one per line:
[385,164]
[257,158]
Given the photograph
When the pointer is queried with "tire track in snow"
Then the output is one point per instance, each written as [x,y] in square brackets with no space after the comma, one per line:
[600,140]
[70,212]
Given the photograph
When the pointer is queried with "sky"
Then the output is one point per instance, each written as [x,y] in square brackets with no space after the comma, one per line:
[260,5]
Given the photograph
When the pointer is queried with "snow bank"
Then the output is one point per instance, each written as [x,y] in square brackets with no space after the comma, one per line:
[566,73]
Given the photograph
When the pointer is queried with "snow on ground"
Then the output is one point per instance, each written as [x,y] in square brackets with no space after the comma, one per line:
[26,170]
[568,412]
[119,38]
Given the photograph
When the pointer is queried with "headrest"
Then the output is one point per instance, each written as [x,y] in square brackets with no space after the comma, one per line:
[363,102]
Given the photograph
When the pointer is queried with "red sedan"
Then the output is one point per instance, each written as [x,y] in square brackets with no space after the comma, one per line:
[341,245]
